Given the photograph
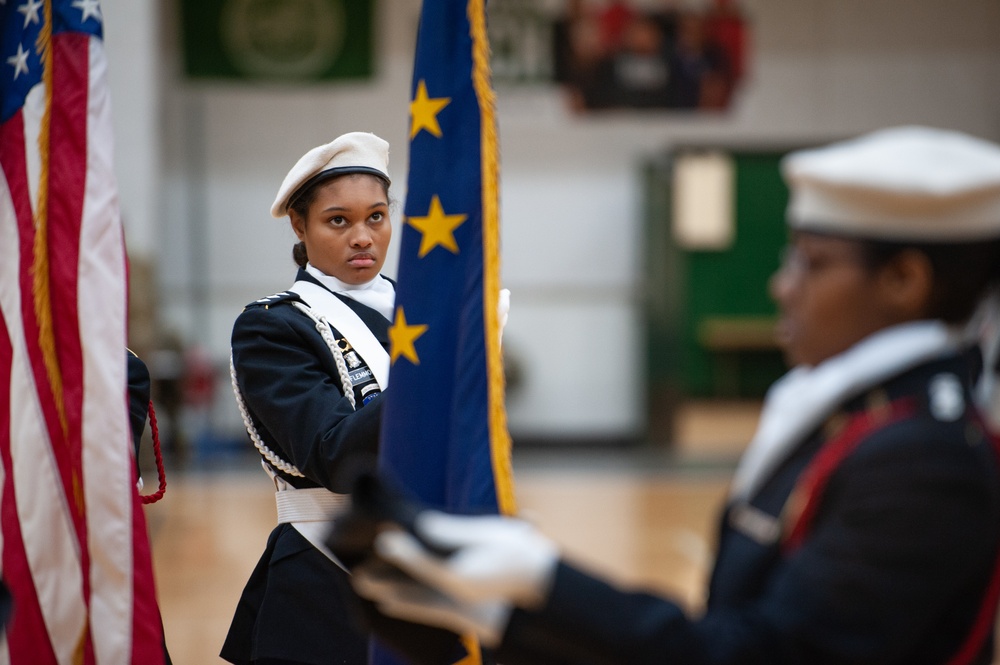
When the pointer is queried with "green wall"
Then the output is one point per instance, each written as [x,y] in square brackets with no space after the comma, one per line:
[685,288]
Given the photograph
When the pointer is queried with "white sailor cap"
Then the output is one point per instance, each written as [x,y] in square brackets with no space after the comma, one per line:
[355,152]
[914,184]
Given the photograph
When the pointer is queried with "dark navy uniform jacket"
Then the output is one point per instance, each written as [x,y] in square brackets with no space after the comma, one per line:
[894,568]
[138,398]
[290,384]
[291,607]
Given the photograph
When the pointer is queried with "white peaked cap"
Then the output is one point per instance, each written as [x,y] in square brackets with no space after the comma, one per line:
[914,184]
[355,152]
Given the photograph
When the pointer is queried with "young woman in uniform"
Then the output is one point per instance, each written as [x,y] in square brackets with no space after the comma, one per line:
[309,365]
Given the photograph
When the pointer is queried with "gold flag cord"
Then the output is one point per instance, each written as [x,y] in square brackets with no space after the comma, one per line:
[41,286]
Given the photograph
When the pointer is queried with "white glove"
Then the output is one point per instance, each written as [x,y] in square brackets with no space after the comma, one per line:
[497,563]
[494,558]
[503,310]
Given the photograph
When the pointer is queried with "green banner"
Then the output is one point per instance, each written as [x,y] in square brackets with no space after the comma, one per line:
[277,40]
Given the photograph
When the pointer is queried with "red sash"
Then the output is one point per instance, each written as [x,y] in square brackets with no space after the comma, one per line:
[809,491]
[986,617]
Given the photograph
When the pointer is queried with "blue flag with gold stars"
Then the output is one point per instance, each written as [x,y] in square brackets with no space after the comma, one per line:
[444,430]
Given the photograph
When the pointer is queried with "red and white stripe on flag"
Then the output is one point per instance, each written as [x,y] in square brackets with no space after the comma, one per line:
[75,551]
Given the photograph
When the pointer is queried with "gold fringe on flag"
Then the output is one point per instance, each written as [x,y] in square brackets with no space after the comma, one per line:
[500,443]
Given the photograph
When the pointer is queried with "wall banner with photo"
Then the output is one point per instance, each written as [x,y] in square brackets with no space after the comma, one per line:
[625,54]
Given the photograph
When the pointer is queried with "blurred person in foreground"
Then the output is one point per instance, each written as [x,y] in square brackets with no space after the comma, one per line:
[309,366]
[863,521]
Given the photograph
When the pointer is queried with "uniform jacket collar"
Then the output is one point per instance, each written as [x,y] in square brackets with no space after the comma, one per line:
[372,318]
[806,396]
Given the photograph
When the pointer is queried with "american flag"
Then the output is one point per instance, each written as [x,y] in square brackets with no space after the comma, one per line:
[75,552]
[444,429]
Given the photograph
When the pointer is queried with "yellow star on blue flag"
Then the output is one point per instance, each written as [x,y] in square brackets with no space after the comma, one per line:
[424,110]
[436,228]
[402,337]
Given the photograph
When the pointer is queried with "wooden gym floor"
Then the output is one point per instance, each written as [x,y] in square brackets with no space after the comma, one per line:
[639,529]
[640,516]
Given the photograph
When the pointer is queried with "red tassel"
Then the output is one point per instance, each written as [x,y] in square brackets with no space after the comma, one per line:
[158,455]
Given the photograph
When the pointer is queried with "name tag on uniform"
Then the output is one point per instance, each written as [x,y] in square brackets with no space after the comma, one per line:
[349,324]
[360,375]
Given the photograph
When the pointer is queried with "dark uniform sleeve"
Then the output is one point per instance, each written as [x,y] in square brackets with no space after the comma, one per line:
[138,397]
[287,377]
[901,550]
[6,605]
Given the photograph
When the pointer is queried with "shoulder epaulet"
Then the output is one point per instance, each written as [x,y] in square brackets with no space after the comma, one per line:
[280,297]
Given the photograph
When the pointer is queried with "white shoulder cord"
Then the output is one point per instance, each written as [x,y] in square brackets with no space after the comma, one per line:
[323,327]
[261,447]
[345,380]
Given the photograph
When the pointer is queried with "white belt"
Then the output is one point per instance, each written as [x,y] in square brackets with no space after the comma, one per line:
[309,511]
[311,504]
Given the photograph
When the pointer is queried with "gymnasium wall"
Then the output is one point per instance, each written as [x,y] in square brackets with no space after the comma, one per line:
[199,164]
